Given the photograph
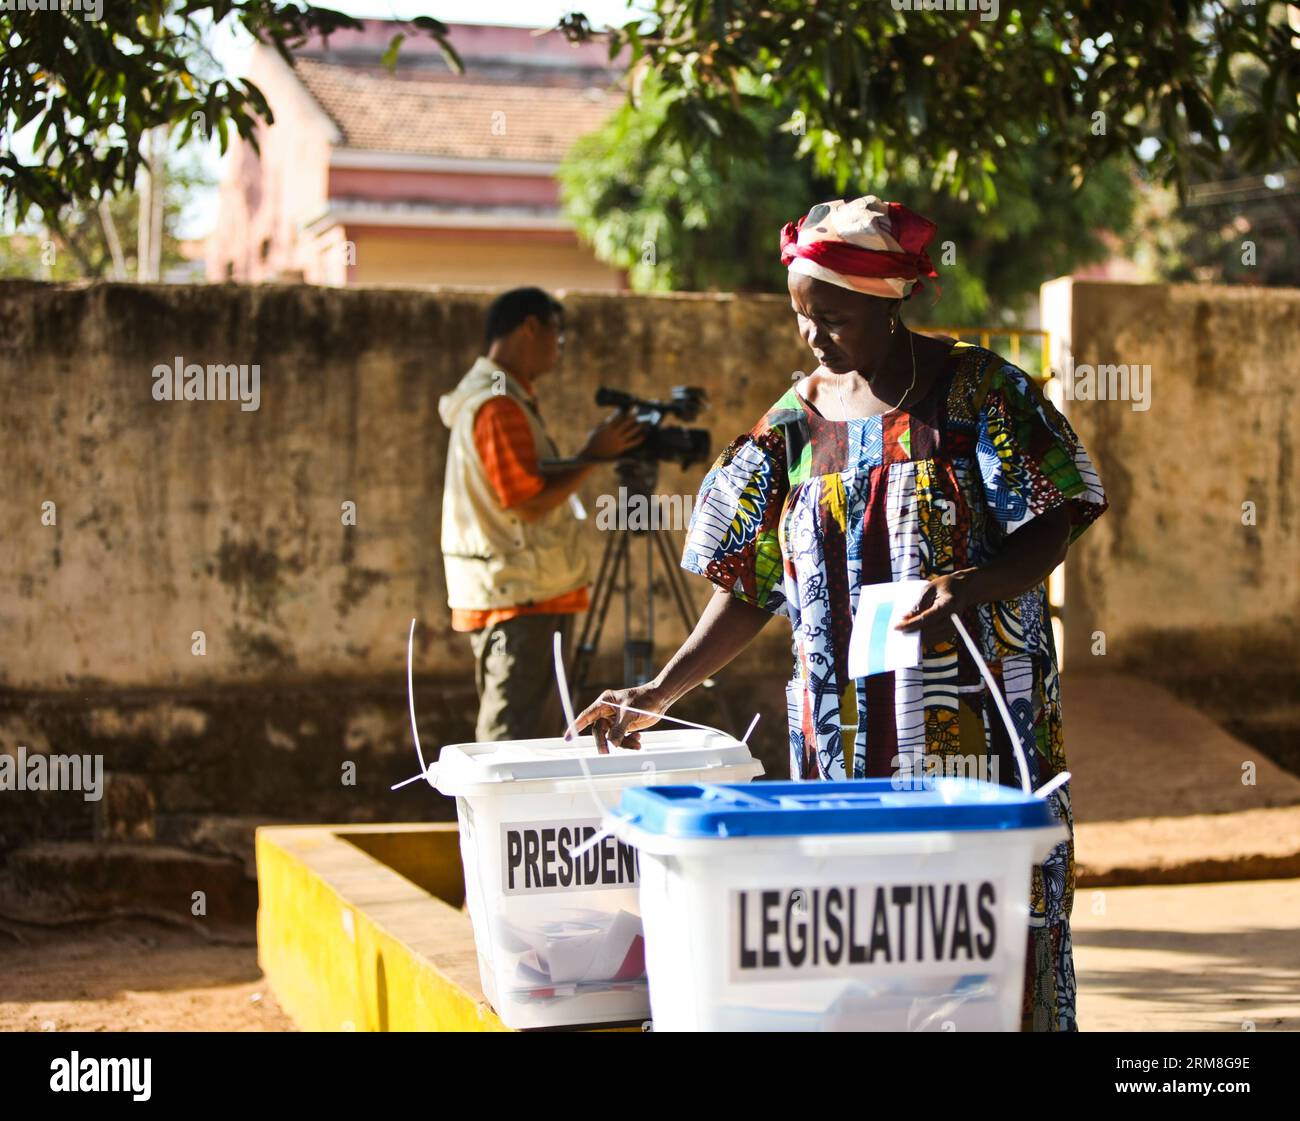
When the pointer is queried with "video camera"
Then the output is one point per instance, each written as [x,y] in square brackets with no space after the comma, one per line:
[683,446]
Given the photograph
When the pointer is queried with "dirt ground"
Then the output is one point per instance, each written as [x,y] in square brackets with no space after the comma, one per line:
[1200,957]
[1194,957]
[132,976]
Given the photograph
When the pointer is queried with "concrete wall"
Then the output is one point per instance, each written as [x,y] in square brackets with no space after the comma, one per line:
[176,517]
[1176,576]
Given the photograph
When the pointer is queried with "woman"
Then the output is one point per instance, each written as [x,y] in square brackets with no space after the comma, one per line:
[900,456]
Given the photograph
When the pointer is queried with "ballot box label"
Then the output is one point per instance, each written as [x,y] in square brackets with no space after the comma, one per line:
[786,933]
[538,857]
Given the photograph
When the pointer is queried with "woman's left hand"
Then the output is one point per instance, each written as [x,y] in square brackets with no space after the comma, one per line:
[932,616]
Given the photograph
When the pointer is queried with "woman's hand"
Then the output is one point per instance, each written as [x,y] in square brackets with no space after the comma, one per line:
[944,597]
[1024,561]
[726,627]
[611,724]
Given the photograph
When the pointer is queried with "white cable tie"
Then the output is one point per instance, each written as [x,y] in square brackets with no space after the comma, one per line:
[426,772]
[1002,705]
[590,843]
[1051,786]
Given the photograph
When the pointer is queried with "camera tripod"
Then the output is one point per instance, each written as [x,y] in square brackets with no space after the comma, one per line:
[638,479]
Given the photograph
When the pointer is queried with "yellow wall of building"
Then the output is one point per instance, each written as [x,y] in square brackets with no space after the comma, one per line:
[400,258]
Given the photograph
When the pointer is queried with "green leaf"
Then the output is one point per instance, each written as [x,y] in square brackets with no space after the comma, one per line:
[389,57]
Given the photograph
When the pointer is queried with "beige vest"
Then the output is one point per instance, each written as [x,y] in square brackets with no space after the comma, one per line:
[493,558]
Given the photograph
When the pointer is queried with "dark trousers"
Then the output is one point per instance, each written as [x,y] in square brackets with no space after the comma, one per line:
[514,673]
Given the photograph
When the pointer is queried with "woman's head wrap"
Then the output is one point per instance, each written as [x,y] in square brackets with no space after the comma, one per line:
[866,245]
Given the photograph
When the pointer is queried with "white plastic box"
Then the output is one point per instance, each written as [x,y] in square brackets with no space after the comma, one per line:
[836,906]
[559,941]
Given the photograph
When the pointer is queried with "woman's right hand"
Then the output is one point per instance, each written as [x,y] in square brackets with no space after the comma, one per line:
[610,724]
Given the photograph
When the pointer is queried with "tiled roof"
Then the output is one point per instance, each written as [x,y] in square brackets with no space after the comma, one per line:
[481,47]
[437,115]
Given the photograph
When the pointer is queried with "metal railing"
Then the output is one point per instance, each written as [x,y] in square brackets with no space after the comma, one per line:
[1042,342]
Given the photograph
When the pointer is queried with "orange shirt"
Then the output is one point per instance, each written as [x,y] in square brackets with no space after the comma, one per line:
[505,445]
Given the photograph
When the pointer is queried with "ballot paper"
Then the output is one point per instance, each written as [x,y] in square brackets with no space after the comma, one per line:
[875,646]
[585,947]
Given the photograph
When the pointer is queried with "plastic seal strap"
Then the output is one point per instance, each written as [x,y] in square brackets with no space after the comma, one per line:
[1021,761]
[429,774]
[570,720]
[566,703]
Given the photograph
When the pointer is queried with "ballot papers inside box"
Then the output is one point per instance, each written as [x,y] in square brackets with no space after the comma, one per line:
[595,950]
[554,899]
[836,906]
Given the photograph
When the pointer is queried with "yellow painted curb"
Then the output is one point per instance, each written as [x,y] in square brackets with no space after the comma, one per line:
[359,928]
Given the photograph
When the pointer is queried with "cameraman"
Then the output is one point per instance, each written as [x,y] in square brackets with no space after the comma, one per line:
[515,562]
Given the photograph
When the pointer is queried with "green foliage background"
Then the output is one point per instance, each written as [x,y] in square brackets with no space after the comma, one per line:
[677,218]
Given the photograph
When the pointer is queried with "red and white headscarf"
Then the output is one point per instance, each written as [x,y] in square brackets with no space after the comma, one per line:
[864,244]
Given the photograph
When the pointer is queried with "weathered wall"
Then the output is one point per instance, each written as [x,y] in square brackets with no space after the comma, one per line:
[1175,576]
[183,516]
[174,517]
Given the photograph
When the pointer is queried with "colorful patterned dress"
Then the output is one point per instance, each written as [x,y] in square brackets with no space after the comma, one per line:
[798,513]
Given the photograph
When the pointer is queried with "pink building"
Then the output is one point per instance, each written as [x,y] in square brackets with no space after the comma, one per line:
[418,175]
